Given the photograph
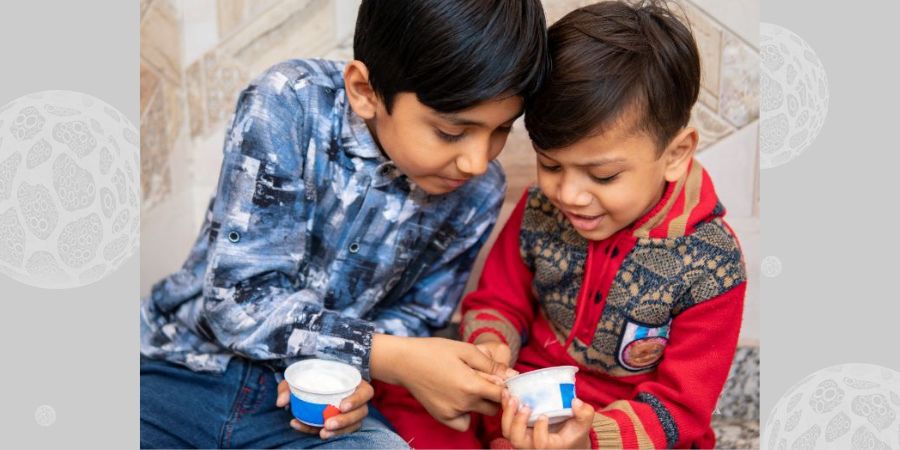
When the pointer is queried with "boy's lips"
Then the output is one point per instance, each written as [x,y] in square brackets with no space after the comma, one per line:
[454,182]
[584,222]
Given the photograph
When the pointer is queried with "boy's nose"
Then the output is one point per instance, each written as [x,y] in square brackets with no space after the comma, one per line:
[473,162]
[571,195]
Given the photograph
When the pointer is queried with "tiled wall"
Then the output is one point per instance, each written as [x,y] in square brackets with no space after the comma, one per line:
[196,55]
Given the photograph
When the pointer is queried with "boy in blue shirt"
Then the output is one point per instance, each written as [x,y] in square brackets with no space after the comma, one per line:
[352,201]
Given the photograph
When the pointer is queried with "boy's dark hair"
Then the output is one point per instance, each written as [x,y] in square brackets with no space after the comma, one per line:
[452,54]
[607,58]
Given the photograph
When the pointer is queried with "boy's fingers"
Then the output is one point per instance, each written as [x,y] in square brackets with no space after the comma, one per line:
[485,408]
[509,412]
[541,432]
[347,419]
[519,427]
[488,390]
[492,378]
[363,393]
[284,394]
[303,428]
[326,434]
[584,413]
[482,363]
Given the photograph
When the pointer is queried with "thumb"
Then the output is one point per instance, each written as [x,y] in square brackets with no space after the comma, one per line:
[477,360]
[584,413]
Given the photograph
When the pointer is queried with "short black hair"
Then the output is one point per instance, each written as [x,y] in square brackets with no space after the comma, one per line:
[611,56]
[453,54]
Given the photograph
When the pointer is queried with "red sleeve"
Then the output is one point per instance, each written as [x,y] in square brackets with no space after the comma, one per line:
[502,304]
[674,410]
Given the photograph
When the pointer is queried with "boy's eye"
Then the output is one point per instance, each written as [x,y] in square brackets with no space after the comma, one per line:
[604,180]
[447,136]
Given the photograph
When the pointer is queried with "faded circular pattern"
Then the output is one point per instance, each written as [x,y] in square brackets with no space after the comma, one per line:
[69,168]
[45,415]
[771,266]
[852,406]
[793,95]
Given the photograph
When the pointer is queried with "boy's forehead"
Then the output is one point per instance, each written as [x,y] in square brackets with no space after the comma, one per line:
[619,142]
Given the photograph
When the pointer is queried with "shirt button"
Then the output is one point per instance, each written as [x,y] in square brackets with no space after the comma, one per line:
[354,247]
[234,236]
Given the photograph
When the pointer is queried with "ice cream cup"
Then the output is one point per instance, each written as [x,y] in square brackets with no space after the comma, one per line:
[317,388]
[548,392]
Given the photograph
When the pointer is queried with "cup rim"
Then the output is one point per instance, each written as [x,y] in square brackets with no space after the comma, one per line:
[354,375]
[545,369]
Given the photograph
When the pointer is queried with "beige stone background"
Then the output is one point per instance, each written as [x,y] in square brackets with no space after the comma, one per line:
[196,55]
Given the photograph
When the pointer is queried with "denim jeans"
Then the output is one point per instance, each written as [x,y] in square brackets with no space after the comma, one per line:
[181,408]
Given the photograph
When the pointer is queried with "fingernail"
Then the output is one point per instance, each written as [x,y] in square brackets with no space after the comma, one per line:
[346,406]
[543,418]
[331,424]
[511,373]
[295,426]
[576,403]
[327,434]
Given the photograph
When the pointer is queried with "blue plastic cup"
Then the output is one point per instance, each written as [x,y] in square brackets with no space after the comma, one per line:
[317,388]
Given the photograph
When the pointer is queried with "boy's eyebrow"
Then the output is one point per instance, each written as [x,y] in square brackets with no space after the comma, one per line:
[455,119]
[600,162]
[594,163]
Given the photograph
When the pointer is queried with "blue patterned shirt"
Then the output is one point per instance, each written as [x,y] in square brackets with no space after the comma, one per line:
[314,241]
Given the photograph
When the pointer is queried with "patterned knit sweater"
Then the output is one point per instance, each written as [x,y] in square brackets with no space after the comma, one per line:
[650,315]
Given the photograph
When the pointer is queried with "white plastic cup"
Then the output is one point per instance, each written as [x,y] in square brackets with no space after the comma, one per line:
[548,392]
[317,388]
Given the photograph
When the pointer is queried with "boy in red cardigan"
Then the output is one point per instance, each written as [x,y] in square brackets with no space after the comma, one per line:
[620,261]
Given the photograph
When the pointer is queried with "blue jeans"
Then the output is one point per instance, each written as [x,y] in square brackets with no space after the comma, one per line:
[181,408]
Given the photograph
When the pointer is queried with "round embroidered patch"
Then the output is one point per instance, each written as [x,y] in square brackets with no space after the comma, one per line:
[642,353]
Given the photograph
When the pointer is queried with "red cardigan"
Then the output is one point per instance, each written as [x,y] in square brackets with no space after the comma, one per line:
[650,315]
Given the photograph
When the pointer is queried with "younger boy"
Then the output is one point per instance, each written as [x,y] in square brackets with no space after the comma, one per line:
[620,261]
[351,203]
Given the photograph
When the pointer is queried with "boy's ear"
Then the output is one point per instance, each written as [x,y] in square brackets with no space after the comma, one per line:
[360,94]
[680,152]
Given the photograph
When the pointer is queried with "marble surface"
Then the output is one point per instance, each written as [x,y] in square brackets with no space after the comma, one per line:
[735,434]
[740,397]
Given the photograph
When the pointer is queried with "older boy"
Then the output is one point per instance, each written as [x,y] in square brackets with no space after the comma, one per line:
[352,201]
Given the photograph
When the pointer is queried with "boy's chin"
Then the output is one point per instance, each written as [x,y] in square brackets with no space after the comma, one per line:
[598,234]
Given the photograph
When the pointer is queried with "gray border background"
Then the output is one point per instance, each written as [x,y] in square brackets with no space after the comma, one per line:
[829,214]
[74,350]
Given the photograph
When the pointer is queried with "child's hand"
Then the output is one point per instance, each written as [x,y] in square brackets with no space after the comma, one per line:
[494,348]
[573,433]
[450,378]
[354,409]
